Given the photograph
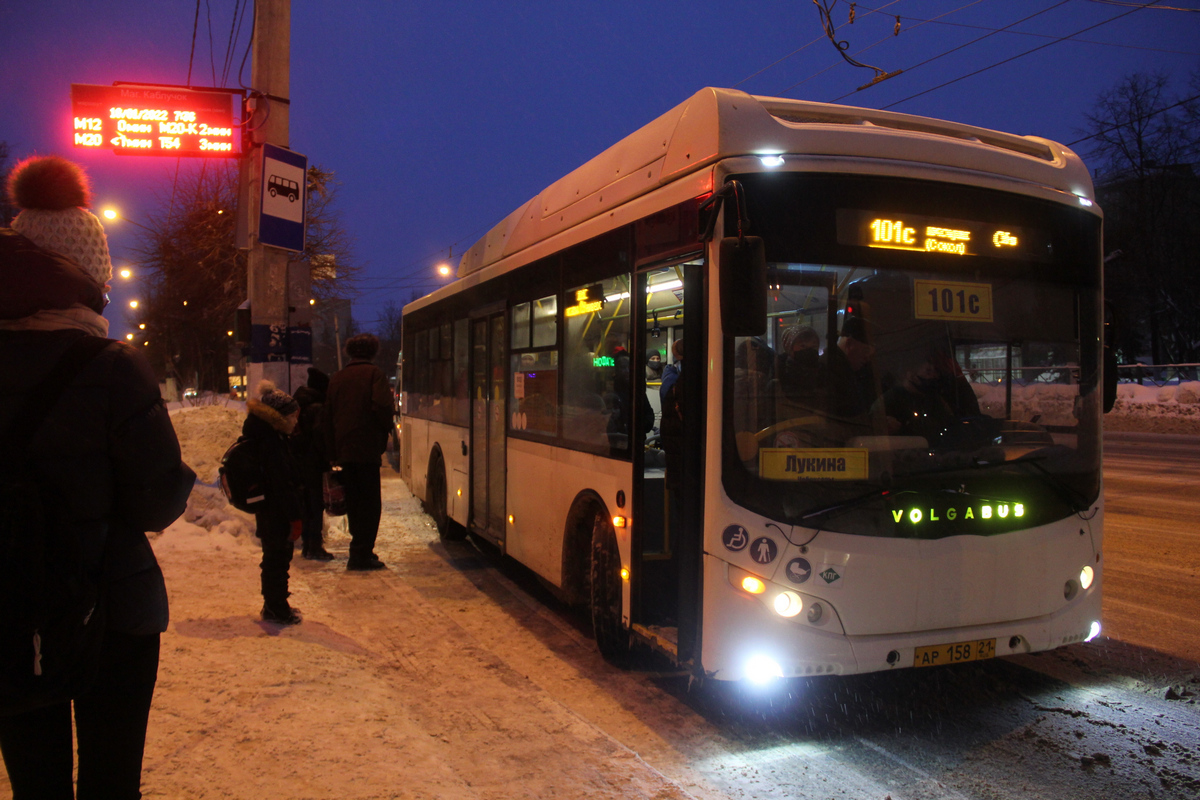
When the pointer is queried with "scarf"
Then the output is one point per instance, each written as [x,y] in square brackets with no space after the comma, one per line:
[55,319]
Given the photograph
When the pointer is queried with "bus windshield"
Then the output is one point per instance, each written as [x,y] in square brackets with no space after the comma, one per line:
[929,366]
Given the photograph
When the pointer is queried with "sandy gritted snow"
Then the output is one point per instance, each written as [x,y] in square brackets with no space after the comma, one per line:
[406,683]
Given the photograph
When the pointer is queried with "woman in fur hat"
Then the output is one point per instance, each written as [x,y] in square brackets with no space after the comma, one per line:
[270,420]
[106,461]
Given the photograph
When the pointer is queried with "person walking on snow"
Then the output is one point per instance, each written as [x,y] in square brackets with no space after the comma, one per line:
[108,463]
[358,419]
[270,420]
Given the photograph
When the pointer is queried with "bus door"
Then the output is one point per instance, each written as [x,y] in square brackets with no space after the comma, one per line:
[667,508]
[488,394]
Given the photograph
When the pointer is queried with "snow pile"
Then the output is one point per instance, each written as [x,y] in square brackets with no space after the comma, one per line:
[205,432]
[1156,409]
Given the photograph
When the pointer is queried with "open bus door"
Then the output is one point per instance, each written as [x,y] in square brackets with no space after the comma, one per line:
[668,512]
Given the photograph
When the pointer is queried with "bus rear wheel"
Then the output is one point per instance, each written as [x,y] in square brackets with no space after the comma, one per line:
[612,639]
[448,530]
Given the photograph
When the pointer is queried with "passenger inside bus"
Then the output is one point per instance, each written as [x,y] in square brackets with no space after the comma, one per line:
[851,370]
[799,387]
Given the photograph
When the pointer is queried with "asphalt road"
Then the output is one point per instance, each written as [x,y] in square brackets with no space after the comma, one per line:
[1113,719]
[1152,542]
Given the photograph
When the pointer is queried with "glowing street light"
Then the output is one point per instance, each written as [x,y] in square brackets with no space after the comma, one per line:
[113,214]
[125,272]
[133,303]
[444,270]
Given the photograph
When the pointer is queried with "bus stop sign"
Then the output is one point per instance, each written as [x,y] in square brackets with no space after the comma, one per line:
[281,216]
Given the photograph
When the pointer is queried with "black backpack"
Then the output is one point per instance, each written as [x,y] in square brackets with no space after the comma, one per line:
[241,476]
[51,614]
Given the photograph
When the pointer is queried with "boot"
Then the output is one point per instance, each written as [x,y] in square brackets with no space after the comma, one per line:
[281,615]
[317,553]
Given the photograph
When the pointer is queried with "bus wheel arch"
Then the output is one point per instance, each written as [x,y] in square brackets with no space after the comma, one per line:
[437,497]
[590,534]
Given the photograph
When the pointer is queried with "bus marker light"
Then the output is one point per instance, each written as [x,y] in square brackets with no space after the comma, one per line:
[1094,631]
[624,574]
[619,522]
[760,669]
[814,613]
[788,604]
[1086,576]
[772,161]
[510,519]
[753,585]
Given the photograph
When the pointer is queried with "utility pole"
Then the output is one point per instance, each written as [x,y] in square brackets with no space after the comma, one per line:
[267,277]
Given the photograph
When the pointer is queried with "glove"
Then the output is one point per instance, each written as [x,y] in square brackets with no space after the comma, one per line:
[297,527]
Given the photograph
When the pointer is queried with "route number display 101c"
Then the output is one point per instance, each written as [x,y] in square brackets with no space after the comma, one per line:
[952,300]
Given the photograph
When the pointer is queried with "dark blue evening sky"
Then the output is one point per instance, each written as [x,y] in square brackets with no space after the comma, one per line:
[441,118]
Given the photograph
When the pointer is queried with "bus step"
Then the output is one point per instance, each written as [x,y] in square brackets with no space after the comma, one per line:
[664,640]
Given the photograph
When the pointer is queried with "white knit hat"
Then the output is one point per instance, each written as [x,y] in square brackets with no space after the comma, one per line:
[52,193]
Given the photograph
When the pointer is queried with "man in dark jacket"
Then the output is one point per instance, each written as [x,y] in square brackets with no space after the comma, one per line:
[109,464]
[357,420]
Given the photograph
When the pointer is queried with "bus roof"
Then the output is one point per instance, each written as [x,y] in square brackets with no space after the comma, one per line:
[715,124]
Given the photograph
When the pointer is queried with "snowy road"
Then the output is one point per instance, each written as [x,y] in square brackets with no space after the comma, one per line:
[453,674]
[1087,721]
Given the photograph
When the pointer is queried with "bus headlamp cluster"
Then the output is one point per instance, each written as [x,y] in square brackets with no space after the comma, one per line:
[1086,576]
[784,602]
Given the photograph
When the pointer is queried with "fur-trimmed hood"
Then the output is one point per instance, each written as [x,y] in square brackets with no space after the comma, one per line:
[260,410]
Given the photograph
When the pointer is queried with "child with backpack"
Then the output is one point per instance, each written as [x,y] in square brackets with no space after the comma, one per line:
[269,423]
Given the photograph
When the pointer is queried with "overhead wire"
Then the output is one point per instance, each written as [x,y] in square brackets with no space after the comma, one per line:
[938,21]
[192,55]
[1012,58]
[881,41]
[1141,118]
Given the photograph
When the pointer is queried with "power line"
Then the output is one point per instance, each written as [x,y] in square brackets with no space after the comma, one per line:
[937,20]
[1156,8]
[192,55]
[876,44]
[1143,117]
[1019,55]
[968,44]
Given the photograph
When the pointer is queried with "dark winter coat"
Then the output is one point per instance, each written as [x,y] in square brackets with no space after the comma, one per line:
[107,452]
[308,440]
[267,428]
[357,414]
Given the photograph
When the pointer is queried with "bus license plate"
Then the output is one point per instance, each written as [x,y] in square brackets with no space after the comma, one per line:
[955,653]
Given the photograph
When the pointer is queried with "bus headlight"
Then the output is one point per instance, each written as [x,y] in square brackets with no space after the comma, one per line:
[1094,631]
[1086,576]
[788,604]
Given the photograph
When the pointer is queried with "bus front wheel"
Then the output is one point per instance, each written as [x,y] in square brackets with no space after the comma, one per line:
[448,530]
[612,639]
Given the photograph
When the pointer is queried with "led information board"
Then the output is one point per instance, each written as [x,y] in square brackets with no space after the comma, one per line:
[936,235]
[154,120]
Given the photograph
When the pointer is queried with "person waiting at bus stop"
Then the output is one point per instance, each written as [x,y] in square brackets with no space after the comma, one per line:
[357,421]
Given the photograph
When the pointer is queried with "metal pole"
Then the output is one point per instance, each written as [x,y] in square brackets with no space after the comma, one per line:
[267,266]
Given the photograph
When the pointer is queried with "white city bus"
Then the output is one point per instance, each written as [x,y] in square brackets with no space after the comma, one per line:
[889,397]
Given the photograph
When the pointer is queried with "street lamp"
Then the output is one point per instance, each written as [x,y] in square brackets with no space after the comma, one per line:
[113,214]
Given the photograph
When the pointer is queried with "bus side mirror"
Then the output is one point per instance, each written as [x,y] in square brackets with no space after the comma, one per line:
[743,286]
